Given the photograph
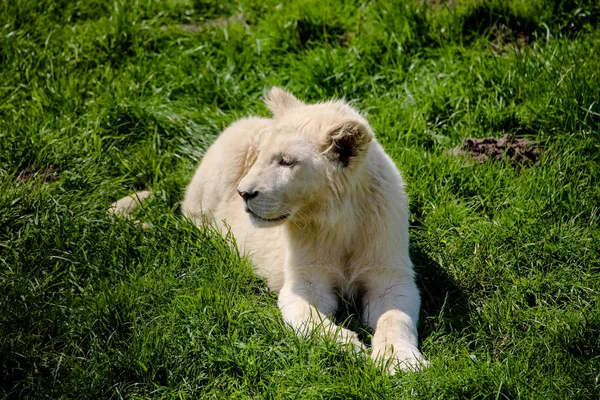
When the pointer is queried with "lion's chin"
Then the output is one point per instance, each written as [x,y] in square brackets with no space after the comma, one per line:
[261,222]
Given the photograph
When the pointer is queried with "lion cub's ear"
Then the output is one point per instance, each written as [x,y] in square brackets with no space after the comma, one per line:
[348,142]
[279,101]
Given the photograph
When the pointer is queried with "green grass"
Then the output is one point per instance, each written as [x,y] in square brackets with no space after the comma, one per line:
[122,95]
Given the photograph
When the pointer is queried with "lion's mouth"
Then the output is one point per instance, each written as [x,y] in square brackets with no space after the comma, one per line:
[278,219]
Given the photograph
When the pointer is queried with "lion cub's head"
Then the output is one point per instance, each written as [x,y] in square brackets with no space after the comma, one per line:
[308,161]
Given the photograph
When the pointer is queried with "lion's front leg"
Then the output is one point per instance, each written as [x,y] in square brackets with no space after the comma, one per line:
[392,309]
[305,305]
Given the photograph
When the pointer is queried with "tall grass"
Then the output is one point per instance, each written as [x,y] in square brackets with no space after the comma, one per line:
[102,98]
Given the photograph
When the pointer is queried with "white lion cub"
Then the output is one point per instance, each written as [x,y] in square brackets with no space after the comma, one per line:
[320,208]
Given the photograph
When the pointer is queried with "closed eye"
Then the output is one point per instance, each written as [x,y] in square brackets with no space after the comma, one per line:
[286,161]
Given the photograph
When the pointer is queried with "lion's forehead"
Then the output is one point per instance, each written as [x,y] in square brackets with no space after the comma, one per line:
[290,145]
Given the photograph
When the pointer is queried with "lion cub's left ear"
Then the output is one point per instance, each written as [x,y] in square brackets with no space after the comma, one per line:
[279,101]
[348,141]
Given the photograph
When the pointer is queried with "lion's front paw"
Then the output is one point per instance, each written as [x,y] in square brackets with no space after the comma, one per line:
[404,357]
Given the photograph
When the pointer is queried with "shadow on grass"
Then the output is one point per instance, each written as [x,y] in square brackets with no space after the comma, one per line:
[444,306]
[349,314]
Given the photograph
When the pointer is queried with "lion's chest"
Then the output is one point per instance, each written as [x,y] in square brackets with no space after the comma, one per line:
[342,258]
[346,268]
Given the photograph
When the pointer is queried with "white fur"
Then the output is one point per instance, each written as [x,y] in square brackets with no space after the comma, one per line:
[125,206]
[347,219]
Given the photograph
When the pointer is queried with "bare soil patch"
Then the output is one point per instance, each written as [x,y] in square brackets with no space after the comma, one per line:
[45,174]
[197,26]
[515,150]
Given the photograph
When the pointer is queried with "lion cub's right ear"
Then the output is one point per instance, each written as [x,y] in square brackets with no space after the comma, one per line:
[279,101]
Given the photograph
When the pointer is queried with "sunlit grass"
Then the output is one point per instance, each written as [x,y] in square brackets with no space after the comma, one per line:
[112,97]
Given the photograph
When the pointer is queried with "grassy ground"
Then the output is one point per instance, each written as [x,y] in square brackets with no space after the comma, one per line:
[98,99]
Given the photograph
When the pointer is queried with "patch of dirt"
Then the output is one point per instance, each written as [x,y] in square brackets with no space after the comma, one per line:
[309,32]
[45,174]
[515,150]
[505,40]
[504,29]
[448,3]
[345,39]
[197,26]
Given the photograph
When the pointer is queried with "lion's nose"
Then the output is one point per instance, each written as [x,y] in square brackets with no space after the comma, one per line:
[248,195]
